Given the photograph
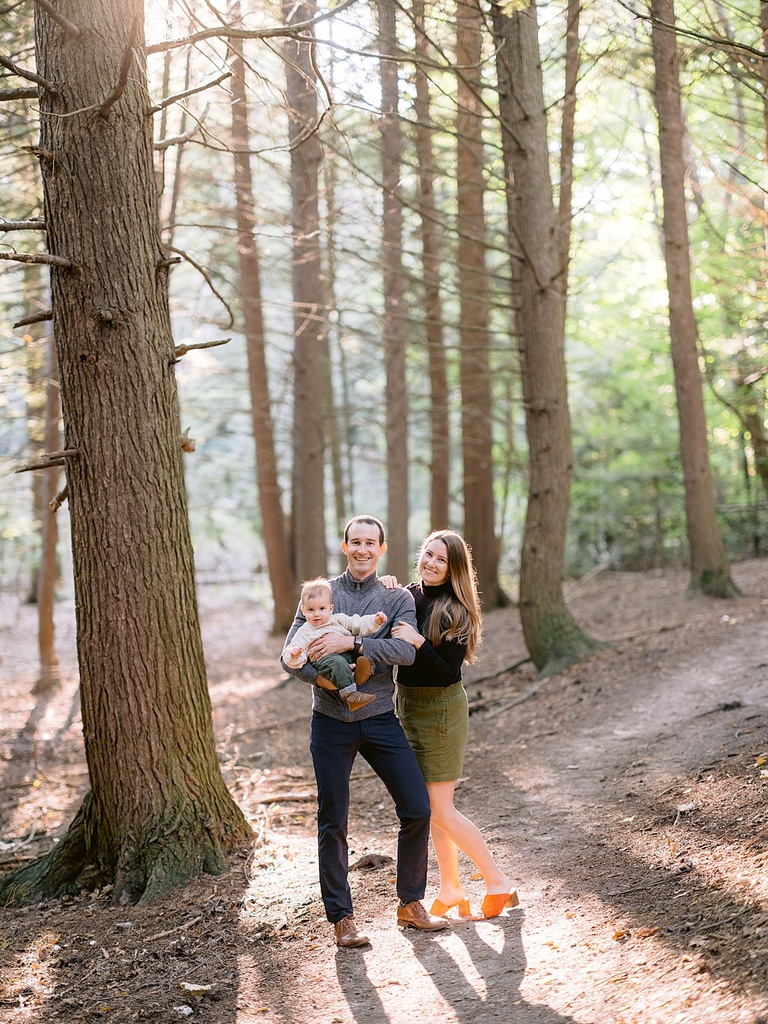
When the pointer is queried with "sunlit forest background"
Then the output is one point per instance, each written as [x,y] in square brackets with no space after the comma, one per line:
[627,494]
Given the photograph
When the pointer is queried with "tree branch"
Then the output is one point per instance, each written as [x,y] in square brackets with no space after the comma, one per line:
[51,11]
[35,318]
[207,276]
[125,67]
[29,75]
[51,459]
[181,350]
[18,94]
[59,500]
[188,92]
[227,32]
[178,140]
[43,257]
[22,225]
[718,42]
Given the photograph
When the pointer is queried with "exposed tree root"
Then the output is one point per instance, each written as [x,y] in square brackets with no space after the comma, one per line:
[141,872]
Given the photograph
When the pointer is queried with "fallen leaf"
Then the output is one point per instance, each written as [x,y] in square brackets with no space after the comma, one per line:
[644,933]
[620,935]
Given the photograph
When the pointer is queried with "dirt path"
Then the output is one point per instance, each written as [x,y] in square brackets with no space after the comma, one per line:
[625,795]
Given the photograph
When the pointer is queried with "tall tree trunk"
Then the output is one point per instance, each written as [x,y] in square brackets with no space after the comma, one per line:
[158,811]
[476,396]
[567,135]
[49,677]
[309,358]
[36,401]
[552,636]
[439,426]
[269,497]
[338,419]
[395,327]
[710,571]
[337,427]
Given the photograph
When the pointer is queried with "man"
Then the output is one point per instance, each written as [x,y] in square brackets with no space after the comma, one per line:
[338,734]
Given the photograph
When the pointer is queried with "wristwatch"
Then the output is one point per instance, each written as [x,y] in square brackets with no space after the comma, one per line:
[357,647]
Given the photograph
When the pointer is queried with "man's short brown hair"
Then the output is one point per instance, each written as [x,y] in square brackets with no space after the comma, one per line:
[370,520]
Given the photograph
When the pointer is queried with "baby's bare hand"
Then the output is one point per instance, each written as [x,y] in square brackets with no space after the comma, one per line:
[381,618]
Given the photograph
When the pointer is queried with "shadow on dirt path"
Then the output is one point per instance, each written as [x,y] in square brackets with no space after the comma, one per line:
[626,796]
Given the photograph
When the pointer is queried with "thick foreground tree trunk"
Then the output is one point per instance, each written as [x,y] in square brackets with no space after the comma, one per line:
[158,812]
[710,571]
[552,636]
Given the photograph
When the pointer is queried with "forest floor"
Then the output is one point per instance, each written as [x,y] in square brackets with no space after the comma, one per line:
[625,795]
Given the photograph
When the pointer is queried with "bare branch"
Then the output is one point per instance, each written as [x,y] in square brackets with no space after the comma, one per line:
[125,67]
[29,75]
[51,459]
[207,277]
[41,154]
[178,140]
[188,92]
[181,350]
[227,32]
[43,257]
[35,318]
[718,42]
[22,225]
[51,11]
[18,94]
[60,498]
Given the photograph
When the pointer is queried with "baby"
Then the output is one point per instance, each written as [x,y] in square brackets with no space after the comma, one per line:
[317,608]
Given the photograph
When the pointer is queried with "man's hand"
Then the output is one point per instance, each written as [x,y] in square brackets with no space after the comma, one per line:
[330,643]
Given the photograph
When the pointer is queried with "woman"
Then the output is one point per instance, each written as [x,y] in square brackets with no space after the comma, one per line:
[431,703]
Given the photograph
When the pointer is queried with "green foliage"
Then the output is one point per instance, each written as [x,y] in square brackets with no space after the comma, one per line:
[627,500]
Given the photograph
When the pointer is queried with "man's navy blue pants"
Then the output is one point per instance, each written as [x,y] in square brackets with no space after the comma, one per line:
[380,740]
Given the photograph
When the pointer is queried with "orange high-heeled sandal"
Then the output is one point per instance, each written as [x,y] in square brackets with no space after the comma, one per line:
[495,902]
[440,909]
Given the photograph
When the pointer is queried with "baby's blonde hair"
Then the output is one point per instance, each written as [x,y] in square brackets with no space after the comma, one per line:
[314,588]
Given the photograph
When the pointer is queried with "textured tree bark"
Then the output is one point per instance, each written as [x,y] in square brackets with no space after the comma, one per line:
[710,571]
[395,327]
[158,812]
[439,427]
[309,313]
[474,338]
[552,636]
[269,497]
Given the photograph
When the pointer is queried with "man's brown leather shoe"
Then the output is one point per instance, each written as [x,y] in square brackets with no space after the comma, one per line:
[347,934]
[413,915]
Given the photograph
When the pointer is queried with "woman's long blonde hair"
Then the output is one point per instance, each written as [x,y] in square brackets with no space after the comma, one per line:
[456,618]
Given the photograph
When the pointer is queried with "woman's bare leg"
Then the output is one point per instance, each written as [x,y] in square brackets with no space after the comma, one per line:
[451,832]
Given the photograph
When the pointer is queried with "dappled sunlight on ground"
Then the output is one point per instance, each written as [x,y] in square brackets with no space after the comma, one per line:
[625,796]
